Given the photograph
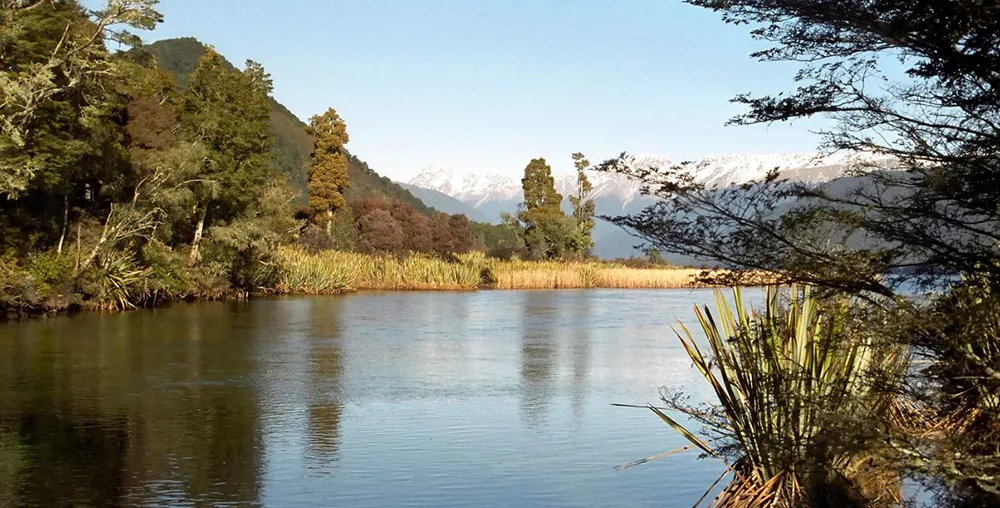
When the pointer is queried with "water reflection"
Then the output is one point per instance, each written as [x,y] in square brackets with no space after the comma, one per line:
[539,320]
[326,364]
[100,410]
[80,454]
[580,338]
[446,399]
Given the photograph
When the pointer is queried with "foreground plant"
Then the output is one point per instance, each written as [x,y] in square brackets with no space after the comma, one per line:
[958,338]
[803,402]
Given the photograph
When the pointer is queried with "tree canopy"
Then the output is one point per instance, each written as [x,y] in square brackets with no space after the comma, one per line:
[328,176]
[547,230]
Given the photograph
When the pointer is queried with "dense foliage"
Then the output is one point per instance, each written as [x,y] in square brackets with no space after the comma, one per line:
[328,170]
[545,231]
[134,178]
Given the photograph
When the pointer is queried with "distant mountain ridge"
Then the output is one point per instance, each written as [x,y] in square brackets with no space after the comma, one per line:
[445,203]
[478,189]
[615,194]
[293,147]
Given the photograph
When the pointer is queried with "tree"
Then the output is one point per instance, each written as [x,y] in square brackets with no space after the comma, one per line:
[442,234]
[461,234]
[495,239]
[380,233]
[934,215]
[915,88]
[546,228]
[328,177]
[227,111]
[60,110]
[583,208]
[54,63]
[416,227]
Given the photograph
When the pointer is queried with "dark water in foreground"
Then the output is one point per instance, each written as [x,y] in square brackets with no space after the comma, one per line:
[400,399]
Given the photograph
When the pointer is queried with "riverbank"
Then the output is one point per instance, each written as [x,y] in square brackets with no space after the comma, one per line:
[48,284]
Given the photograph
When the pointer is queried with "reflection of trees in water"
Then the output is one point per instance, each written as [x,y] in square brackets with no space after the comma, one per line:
[127,409]
[216,428]
[326,359]
[62,459]
[440,353]
[538,352]
[580,349]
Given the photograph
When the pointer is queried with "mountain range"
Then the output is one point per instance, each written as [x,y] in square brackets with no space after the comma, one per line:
[490,195]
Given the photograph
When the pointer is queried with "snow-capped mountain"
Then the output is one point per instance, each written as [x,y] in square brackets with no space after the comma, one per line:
[615,194]
[478,190]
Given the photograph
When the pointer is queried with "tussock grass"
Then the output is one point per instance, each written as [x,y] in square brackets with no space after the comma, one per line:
[323,273]
[333,272]
[517,274]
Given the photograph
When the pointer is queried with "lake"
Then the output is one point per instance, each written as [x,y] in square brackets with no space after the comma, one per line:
[485,398]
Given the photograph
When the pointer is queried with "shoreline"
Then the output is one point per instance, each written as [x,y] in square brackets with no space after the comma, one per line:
[34,313]
[293,271]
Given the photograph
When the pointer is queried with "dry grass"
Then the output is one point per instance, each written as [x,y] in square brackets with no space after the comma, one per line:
[517,274]
[332,272]
[591,275]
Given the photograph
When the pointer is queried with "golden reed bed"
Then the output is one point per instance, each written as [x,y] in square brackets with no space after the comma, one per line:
[334,272]
[594,276]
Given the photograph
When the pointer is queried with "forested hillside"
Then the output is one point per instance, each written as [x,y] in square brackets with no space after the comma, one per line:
[292,144]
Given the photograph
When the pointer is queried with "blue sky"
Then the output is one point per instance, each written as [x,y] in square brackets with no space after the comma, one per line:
[487,85]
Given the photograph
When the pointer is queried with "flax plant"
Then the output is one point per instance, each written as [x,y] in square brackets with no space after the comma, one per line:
[804,403]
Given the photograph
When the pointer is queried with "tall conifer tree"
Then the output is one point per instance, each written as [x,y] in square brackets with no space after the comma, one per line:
[328,177]
[545,225]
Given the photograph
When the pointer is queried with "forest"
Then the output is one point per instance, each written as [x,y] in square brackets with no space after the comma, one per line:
[134,175]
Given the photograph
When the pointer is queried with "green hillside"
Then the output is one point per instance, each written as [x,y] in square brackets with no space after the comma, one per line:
[293,145]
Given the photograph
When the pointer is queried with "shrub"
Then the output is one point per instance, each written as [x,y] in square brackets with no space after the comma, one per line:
[113,282]
[958,335]
[802,404]
[167,278]
[314,239]
[52,273]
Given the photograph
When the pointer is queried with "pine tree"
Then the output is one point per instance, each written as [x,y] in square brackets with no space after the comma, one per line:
[583,208]
[328,177]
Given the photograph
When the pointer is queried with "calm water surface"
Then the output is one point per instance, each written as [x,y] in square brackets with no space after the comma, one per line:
[366,400]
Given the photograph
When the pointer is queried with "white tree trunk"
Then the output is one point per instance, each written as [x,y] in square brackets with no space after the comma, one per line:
[65,225]
[196,242]
[104,238]
[79,230]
